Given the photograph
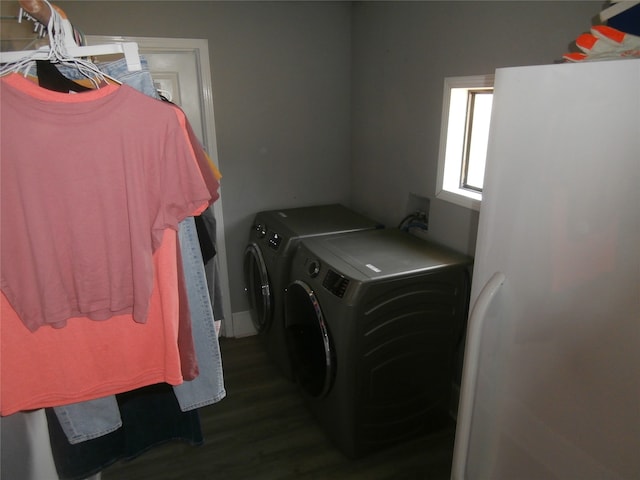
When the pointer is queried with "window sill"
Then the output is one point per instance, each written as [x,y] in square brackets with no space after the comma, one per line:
[462,198]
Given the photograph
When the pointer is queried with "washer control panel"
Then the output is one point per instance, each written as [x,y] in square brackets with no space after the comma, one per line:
[335,283]
[274,240]
[261,230]
[313,268]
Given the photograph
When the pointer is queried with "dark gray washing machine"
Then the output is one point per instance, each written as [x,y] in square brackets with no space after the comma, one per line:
[273,239]
[373,319]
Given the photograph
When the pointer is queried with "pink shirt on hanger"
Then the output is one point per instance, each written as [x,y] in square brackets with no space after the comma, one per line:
[86,359]
[90,182]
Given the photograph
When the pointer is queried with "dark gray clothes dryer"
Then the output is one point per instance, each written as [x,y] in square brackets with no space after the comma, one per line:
[273,239]
[372,321]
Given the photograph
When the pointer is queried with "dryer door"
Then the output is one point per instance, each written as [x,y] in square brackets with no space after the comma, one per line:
[257,287]
[309,340]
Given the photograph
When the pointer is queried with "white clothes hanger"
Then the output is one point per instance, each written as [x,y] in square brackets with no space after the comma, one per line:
[63,49]
[616,8]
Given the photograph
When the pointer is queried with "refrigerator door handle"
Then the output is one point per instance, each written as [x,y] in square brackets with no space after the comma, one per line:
[470,373]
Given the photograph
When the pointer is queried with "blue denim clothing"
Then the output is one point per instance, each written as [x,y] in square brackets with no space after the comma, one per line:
[91,419]
[151,417]
[88,420]
[208,386]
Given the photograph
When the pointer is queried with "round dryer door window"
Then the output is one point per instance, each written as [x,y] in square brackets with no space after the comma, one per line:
[257,287]
[309,340]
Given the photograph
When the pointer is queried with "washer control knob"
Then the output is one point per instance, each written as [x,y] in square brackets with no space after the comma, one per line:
[314,268]
[260,229]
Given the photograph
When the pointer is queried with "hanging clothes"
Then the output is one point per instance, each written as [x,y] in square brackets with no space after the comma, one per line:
[208,388]
[144,414]
[82,222]
[220,392]
[89,359]
[176,281]
[49,77]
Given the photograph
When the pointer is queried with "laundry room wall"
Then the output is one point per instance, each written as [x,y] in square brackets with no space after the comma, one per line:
[293,80]
[281,94]
[402,51]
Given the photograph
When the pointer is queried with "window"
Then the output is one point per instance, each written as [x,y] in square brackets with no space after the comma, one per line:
[466,115]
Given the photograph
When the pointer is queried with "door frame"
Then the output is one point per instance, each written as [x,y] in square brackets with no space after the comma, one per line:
[200,49]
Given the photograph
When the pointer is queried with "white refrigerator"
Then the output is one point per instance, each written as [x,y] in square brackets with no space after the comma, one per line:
[551,376]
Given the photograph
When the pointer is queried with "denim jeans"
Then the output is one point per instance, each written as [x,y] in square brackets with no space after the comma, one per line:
[151,417]
[87,420]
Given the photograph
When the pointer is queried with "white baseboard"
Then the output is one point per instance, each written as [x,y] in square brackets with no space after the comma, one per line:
[242,325]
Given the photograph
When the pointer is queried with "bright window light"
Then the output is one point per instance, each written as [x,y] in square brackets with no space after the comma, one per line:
[466,116]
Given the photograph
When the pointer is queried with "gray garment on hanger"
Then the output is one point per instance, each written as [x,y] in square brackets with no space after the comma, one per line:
[211,267]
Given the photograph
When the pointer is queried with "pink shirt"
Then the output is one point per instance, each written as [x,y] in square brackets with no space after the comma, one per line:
[87,360]
[90,182]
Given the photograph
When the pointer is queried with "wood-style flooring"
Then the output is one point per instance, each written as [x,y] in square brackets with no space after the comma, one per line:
[262,431]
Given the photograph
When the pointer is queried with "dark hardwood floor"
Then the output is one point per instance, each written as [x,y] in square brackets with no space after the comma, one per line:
[262,431]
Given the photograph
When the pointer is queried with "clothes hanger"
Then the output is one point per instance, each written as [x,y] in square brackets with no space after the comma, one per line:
[38,9]
[38,12]
[51,78]
[63,49]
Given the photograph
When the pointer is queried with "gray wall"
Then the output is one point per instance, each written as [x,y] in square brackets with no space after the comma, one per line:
[402,51]
[281,91]
[319,102]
